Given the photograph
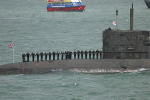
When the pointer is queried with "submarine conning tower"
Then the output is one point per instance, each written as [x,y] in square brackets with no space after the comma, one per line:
[126,44]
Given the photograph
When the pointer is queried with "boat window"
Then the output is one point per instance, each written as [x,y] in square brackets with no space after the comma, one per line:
[69,3]
[74,3]
[55,3]
[77,4]
[63,3]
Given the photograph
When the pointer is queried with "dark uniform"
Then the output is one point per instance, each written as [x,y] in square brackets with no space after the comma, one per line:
[70,54]
[82,54]
[41,56]
[93,54]
[100,54]
[74,54]
[58,55]
[62,55]
[109,28]
[90,54]
[45,56]
[28,55]
[33,55]
[97,52]
[78,53]
[68,57]
[86,54]
[49,55]
[37,54]
[23,57]
[66,53]
[53,55]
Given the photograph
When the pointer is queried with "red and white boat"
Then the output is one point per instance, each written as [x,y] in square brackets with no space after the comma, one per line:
[65,5]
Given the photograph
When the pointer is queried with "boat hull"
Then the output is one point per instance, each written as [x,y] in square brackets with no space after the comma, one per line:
[77,65]
[76,8]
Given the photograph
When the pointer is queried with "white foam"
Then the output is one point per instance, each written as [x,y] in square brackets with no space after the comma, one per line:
[142,69]
[56,70]
[103,71]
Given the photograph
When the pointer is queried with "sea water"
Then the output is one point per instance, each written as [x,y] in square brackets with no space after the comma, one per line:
[32,28]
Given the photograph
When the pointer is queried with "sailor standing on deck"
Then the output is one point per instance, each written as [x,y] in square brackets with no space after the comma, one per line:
[93,53]
[90,54]
[97,52]
[86,54]
[82,54]
[58,55]
[27,56]
[45,55]
[49,55]
[70,54]
[74,54]
[109,28]
[41,56]
[37,54]
[23,57]
[53,55]
[62,54]
[66,54]
[78,53]
[100,54]
[33,55]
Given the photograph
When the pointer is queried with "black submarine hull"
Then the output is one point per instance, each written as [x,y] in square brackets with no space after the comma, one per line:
[84,66]
[147,3]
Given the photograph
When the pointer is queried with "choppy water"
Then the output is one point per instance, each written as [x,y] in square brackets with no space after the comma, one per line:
[63,85]
[32,28]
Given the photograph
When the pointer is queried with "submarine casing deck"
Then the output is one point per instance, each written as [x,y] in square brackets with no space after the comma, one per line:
[84,66]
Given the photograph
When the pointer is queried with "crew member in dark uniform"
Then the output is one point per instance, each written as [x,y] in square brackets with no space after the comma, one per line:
[66,53]
[28,55]
[97,52]
[58,55]
[53,55]
[70,54]
[74,54]
[82,54]
[100,54]
[93,53]
[37,54]
[86,54]
[109,28]
[62,55]
[90,54]
[33,55]
[45,55]
[49,55]
[78,53]
[68,57]
[41,56]
[23,57]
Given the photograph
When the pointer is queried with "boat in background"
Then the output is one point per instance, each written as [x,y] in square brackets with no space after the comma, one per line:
[147,3]
[65,5]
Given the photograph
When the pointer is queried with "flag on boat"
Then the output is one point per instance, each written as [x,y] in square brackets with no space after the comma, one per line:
[114,23]
[11,45]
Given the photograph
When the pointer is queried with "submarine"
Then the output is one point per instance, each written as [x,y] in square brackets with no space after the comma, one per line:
[123,51]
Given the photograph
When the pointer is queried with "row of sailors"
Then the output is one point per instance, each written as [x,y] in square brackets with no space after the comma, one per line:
[67,54]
